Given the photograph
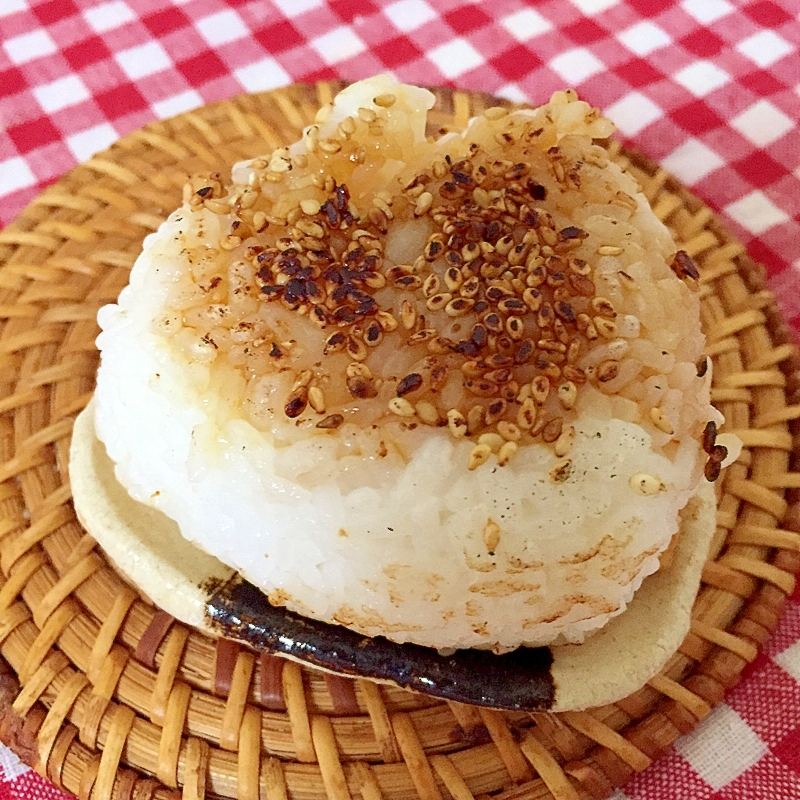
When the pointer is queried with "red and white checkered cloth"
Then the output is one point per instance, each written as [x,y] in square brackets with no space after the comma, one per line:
[709,88]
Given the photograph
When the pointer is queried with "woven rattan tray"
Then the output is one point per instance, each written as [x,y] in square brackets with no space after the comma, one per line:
[109,697]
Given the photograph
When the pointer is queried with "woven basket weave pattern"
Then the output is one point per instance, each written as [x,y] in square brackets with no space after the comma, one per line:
[109,697]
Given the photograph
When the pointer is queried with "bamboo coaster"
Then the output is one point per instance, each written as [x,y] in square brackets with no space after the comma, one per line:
[109,697]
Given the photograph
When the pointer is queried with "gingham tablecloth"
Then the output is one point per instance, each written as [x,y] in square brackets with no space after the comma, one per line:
[710,88]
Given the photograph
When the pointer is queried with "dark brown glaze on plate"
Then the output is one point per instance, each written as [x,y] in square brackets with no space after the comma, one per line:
[520,680]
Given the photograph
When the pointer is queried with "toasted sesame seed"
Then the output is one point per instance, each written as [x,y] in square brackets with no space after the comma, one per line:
[574,374]
[567,393]
[474,419]
[581,285]
[401,407]
[358,369]
[386,320]
[313,229]
[645,484]
[302,379]
[495,411]
[294,215]
[609,250]
[603,307]
[425,335]
[361,387]
[248,199]
[229,242]
[408,315]
[438,301]
[441,345]
[515,328]
[296,403]
[347,127]
[586,326]
[260,221]
[456,423]
[279,165]
[504,245]
[506,453]
[439,169]
[335,342]
[376,280]
[433,249]
[470,287]
[607,370]
[626,280]
[427,412]
[509,431]
[373,335]
[478,455]
[498,257]
[497,360]
[329,146]
[532,298]
[493,322]
[626,201]
[549,236]
[712,470]
[410,383]
[385,100]
[423,204]
[331,421]
[661,421]
[453,278]
[431,285]
[356,349]
[316,399]
[310,137]
[526,414]
[367,115]
[552,429]
[481,197]
[683,266]
[473,368]
[606,327]
[458,306]
[564,443]
[540,389]
[481,388]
